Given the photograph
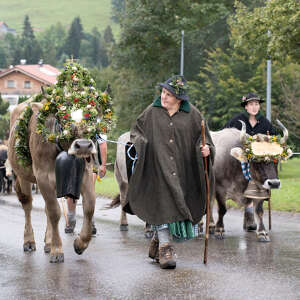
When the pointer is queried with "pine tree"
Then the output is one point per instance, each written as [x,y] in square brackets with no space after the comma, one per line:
[3,57]
[96,47]
[118,8]
[3,106]
[108,35]
[75,35]
[31,50]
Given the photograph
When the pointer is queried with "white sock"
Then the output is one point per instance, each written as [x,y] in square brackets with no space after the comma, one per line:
[163,236]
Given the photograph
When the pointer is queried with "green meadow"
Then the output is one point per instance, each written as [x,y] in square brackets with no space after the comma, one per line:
[43,14]
[287,198]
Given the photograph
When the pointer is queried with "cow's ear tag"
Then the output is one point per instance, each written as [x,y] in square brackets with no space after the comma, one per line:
[238,153]
[36,107]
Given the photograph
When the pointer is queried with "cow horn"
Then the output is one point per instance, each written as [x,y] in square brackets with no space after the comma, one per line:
[243,135]
[285,132]
[43,91]
[108,89]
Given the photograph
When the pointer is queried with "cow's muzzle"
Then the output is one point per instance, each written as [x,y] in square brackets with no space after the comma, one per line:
[271,184]
[82,148]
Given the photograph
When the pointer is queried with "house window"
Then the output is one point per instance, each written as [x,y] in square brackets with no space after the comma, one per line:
[11,83]
[12,101]
[27,84]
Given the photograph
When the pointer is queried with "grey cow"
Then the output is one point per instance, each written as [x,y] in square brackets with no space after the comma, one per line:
[230,180]
[120,172]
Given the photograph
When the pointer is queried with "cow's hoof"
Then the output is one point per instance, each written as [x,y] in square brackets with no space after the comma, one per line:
[263,237]
[47,248]
[79,246]
[212,229]
[29,247]
[57,258]
[148,234]
[219,233]
[124,227]
[251,227]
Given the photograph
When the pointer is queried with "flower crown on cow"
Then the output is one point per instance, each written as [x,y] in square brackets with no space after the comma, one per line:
[262,147]
[75,100]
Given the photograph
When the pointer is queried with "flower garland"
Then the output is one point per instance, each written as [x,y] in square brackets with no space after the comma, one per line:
[74,94]
[267,157]
[178,85]
[21,132]
[22,141]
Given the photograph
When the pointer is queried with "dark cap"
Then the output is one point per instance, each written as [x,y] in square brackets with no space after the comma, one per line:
[250,97]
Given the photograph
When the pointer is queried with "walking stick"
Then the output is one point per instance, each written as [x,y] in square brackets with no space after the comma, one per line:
[270,213]
[207,195]
[65,211]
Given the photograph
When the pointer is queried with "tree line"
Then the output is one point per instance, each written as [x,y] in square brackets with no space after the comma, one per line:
[56,44]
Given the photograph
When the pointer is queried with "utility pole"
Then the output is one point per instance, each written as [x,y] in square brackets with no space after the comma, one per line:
[269,90]
[269,85]
[182,53]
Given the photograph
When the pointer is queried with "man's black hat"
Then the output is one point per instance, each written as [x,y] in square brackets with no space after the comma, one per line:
[249,97]
[177,86]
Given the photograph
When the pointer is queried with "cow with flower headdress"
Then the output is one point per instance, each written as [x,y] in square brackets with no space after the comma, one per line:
[244,164]
[59,124]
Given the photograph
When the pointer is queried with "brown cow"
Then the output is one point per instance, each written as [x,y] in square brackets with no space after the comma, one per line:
[42,172]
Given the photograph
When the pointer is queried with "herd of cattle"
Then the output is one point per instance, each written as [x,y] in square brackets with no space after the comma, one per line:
[230,181]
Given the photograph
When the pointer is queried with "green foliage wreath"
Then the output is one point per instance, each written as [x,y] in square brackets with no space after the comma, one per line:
[75,92]
[74,99]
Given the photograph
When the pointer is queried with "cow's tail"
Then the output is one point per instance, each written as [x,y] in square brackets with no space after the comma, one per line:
[114,203]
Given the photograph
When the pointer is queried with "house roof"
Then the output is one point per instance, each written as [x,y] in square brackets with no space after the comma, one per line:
[44,73]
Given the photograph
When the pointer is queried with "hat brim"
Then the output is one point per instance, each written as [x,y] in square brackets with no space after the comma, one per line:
[243,103]
[167,87]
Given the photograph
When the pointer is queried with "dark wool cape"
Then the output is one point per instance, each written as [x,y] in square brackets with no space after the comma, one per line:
[263,125]
[168,183]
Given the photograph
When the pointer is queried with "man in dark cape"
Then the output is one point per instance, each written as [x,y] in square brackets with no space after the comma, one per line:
[168,188]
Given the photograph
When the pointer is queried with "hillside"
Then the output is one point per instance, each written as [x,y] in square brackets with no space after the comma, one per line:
[43,14]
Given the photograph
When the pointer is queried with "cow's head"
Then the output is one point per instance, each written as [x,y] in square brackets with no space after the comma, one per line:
[263,152]
[81,147]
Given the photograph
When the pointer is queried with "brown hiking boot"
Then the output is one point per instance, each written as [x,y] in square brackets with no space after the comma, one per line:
[167,257]
[153,248]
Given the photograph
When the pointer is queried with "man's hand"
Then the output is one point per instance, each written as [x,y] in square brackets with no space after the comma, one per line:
[102,171]
[205,150]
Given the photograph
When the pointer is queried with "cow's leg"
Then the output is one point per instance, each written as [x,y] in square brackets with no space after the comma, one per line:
[2,180]
[249,222]
[212,225]
[88,205]
[123,221]
[47,189]
[48,234]
[219,231]
[23,190]
[123,188]
[148,231]
[262,234]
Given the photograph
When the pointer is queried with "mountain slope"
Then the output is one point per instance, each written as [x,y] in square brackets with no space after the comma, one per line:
[43,14]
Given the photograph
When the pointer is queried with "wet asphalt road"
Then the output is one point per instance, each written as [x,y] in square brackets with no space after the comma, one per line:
[116,266]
